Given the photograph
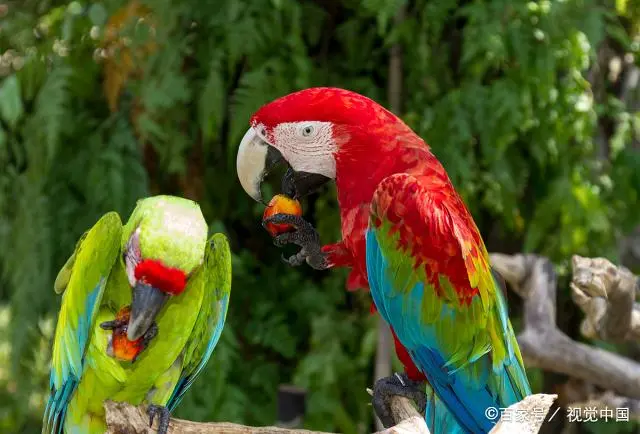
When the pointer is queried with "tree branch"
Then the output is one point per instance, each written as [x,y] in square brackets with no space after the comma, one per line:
[125,418]
[544,346]
[606,294]
[581,394]
[383,358]
[384,350]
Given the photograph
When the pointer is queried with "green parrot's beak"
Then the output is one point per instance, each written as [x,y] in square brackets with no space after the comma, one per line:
[147,303]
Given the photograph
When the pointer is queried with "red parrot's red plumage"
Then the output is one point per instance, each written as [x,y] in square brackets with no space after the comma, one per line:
[397,149]
[408,238]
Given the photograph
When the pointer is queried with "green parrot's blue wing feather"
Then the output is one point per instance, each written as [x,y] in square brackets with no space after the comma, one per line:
[82,279]
[215,275]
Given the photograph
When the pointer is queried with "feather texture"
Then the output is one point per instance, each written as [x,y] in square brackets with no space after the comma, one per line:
[83,280]
[430,278]
[216,278]
[171,233]
[408,237]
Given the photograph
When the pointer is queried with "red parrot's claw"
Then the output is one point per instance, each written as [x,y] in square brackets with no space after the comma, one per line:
[398,385]
[296,221]
[304,236]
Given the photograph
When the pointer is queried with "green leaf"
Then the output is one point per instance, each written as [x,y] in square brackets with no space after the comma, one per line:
[11,108]
[211,104]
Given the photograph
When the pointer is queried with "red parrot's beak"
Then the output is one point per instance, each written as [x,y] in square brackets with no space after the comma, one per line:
[255,159]
[299,184]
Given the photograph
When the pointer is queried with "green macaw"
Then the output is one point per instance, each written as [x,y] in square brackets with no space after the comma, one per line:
[154,289]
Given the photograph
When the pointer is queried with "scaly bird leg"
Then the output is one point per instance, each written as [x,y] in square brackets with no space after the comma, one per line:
[163,417]
[396,385]
[304,236]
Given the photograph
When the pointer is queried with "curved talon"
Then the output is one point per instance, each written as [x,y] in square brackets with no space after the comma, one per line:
[112,325]
[304,236]
[163,417]
[396,385]
[293,260]
[317,260]
[147,337]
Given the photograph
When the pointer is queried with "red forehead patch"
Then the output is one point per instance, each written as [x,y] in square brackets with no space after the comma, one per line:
[325,104]
[156,274]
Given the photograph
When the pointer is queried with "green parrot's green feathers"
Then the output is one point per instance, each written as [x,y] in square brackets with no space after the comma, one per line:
[215,276]
[62,279]
[96,282]
[161,220]
[90,264]
[83,279]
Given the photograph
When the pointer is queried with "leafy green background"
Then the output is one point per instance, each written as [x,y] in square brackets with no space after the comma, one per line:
[517,98]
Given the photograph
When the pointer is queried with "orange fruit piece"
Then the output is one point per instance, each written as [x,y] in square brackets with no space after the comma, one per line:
[123,348]
[281,204]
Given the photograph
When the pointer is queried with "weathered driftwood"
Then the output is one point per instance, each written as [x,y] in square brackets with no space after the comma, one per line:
[123,418]
[604,292]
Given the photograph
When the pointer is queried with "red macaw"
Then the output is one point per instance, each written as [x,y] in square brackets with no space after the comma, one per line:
[407,236]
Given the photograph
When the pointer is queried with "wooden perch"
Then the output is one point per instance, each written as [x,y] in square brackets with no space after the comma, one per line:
[581,394]
[599,378]
[123,418]
[544,346]
[606,294]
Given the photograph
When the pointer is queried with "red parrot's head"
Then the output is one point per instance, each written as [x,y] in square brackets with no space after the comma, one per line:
[314,131]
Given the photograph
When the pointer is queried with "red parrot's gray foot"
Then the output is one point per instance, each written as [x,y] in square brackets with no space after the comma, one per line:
[163,417]
[304,236]
[396,385]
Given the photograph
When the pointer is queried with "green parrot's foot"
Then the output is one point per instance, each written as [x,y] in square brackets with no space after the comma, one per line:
[304,236]
[396,385]
[121,348]
[163,417]
[116,324]
[147,337]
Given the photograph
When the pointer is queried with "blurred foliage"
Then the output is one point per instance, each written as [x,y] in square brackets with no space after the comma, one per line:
[102,103]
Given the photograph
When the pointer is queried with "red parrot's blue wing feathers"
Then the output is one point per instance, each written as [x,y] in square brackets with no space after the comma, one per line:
[430,278]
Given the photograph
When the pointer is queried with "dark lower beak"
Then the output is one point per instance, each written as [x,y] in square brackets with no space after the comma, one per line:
[299,184]
[147,303]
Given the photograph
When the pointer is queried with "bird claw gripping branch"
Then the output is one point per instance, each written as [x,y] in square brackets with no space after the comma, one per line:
[303,235]
[163,417]
[396,385]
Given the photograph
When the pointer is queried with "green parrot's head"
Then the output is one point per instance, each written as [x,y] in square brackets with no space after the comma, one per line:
[163,242]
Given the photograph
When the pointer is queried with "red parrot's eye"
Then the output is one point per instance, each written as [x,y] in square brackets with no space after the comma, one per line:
[156,274]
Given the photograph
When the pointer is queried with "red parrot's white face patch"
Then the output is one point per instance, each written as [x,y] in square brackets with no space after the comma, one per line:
[308,146]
